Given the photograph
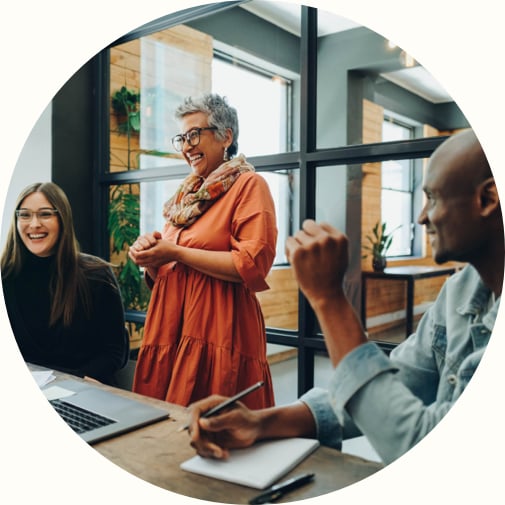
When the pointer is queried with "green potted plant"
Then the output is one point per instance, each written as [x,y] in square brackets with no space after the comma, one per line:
[379,244]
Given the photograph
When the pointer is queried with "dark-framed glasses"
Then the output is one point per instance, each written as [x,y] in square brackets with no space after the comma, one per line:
[192,137]
[42,215]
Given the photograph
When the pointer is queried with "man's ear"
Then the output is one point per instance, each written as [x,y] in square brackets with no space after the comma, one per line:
[489,199]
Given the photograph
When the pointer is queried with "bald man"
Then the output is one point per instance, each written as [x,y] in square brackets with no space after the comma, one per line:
[395,401]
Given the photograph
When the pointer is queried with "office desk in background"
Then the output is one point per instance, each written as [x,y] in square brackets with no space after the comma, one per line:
[154,453]
[409,274]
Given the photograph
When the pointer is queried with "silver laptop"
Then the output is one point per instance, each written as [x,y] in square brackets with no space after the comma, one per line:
[95,414]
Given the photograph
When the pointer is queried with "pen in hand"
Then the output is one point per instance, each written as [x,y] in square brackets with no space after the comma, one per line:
[227,403]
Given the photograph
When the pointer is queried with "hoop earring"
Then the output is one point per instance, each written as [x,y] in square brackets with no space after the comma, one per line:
[226,156]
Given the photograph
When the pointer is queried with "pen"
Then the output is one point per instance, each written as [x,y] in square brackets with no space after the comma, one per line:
[230,401]
[275,492]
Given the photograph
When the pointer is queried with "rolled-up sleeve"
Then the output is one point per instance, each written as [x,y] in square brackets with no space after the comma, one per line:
[358,368]
[254,232]
[328,428]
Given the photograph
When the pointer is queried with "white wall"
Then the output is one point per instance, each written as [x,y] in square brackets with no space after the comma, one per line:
[33,165]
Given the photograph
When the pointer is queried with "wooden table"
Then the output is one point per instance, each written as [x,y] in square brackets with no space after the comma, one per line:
[154,453]
[409,274]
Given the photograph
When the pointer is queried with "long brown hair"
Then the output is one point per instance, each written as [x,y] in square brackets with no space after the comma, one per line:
[69,281]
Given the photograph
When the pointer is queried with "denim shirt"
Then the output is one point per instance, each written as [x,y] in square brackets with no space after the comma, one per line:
[396,401]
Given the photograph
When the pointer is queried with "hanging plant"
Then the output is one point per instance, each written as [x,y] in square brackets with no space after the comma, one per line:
[126,105]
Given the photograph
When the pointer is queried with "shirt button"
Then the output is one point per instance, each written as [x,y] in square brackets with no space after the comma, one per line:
[452,379]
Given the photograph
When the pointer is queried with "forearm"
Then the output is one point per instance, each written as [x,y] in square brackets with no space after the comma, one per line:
[340,325]
[150,274]
[218,264]
[294,420]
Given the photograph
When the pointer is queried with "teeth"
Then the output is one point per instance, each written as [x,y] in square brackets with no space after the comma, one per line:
[41,235]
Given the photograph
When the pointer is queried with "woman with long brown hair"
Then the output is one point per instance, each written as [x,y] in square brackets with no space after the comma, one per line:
[64,306]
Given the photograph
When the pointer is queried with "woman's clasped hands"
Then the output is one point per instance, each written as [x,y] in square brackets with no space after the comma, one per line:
[150,250]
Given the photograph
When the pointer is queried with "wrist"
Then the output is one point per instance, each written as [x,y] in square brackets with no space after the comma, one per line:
[294,420]
[178,253]
[328,302]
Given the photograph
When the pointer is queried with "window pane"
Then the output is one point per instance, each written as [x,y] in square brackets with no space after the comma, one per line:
[145,89]
[280,303]
[331,195]
[397,214]
[151,75]
[394,131]
[283,185]
[257,135]
[386,197]
[396,174]
[152,198]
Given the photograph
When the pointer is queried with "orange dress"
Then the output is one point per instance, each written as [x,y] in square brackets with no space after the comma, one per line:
[203,335]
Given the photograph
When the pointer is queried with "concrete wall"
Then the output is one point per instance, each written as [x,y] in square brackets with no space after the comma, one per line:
[34,164]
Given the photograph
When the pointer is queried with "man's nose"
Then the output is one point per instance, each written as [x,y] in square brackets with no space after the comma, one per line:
[423,217]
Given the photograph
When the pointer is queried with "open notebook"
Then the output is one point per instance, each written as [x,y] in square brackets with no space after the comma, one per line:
[258,466]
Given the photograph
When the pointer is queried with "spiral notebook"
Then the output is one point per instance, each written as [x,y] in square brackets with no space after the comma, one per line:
[258,466]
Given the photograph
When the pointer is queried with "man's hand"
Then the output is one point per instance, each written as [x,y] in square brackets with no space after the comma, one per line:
[212,437]
[319,256]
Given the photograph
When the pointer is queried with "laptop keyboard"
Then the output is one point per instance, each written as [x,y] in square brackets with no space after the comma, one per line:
[79,419]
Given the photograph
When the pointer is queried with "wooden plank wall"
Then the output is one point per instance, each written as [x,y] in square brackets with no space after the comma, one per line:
[280,303]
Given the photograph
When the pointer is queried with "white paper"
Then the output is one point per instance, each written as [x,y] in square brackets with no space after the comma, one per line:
[43,377]
[258,466]
[57,392]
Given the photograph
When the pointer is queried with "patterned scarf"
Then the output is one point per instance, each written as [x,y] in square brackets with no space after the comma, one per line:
[196,194]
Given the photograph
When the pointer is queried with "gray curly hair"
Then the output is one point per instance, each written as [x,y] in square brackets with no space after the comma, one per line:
[220,114]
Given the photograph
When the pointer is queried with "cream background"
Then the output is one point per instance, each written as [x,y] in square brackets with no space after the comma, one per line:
[460,43]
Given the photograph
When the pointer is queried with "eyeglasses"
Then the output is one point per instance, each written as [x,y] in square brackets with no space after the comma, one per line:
[42,215]
[192,137]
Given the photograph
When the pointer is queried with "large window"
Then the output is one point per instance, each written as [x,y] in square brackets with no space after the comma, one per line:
[314,109]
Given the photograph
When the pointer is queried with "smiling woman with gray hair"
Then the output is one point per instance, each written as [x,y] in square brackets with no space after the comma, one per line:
[204,330]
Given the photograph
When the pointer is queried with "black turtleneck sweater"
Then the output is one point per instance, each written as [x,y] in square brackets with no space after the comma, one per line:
[94,346]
